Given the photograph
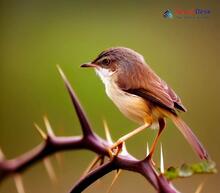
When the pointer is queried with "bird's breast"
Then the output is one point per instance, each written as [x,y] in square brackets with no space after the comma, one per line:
[132,106]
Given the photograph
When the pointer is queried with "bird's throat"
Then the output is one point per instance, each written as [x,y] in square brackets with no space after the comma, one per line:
[104,74]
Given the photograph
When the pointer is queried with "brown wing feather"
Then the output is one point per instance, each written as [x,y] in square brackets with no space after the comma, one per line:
[149,97]
[147,84]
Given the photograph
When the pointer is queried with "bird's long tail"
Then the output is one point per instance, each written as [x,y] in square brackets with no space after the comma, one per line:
[190,137]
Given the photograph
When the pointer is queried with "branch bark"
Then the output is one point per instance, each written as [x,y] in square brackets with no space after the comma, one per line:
[90,141]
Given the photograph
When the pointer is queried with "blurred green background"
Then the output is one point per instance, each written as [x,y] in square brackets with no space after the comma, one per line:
[37,35]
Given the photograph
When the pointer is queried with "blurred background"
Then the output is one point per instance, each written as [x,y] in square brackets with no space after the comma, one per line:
[37,35]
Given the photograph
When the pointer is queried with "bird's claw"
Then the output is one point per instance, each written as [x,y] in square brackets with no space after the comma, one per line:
[115,149]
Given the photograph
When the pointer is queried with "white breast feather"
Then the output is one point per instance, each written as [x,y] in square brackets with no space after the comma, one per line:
[132,106]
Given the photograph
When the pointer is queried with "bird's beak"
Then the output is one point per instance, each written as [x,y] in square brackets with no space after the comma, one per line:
[89,65]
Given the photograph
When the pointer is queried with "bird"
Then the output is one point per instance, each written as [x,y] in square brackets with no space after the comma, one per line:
[141,95]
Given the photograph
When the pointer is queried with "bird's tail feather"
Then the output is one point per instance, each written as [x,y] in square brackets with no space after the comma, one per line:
[190,137]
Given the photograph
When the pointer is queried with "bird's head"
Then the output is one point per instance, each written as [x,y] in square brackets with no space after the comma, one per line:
[114,61]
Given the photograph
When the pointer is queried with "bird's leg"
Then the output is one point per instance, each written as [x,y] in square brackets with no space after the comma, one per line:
[129,135]
[162,125]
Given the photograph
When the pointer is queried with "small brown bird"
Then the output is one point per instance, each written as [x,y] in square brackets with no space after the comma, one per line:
[141,95]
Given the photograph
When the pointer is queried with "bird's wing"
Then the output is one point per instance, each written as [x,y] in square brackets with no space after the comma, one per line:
[148,85]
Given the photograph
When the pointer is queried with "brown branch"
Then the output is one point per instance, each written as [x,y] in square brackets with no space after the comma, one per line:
[50,146]
[142,167]
[86,128]
[90,141]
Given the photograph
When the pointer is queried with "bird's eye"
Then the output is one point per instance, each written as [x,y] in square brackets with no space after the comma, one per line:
[106,62]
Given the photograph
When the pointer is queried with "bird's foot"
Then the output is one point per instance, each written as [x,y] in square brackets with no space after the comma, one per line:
[115,149]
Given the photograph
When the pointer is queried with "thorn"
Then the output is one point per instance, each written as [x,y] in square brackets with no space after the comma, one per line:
[48,126]
[91,165]
[102,160]
[40,131]
[2,155]
[124,149]
[61,73]
[148,150]
[200,187]
[66,82]
[114,180]
[107,133]
[50,170]
[59,158]
[161,159]
[19,183]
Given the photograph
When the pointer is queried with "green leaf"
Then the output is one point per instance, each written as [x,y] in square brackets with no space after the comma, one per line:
[171,173]
[204,167]
[186,170]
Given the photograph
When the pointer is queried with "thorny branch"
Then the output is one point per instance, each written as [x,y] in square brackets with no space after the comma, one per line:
[90,141]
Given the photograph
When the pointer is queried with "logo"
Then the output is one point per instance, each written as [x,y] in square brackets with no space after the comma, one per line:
[168,14]
[187,13]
